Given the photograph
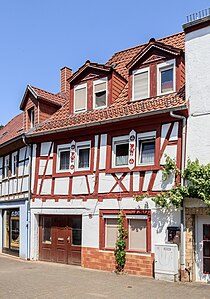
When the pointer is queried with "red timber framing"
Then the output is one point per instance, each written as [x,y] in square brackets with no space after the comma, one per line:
[140,126]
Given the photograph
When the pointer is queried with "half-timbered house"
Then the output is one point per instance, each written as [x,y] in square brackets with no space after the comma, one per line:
[105,145]
[17,166]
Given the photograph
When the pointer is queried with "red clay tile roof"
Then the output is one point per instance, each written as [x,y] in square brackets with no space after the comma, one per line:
[122,58]
[120,108]
[50,97]
[12,129]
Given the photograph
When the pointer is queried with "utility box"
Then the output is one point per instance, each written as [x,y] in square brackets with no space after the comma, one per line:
[166,262]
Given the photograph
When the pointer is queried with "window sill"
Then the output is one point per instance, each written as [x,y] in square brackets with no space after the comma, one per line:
[142,253]
[68,174]
[136,168]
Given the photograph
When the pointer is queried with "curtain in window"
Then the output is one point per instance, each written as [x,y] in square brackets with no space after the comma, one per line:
[141,86]
[122,154]
[166,80]
[64,160]
[147,152]
[84,154]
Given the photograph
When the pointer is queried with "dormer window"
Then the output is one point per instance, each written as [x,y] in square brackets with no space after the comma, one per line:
[100,93]
[141,85]
[166,77]
[31,117]
[80,98]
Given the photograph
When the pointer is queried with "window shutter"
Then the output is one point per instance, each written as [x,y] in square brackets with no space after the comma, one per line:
[80,99]
[141,86]
[100,87]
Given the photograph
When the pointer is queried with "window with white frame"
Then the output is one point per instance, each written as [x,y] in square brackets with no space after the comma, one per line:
[141,84]
[80,98]
[166,78]
[100,93]
[63,157]
[120,146]
[137,232]
[6,166]
[14,163]
[146,148]
[83,155]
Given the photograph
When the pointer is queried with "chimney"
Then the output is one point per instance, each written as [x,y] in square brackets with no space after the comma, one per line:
[65,74]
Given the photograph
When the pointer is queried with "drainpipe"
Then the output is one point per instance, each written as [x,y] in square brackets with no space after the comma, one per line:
[29,195]
[182,245]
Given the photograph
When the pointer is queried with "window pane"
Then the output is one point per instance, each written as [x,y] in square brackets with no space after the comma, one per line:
[141,86]
[80,99]
[206,265]
[100,98]
[76,231]
[84,154]
[138,234]
[111,231]
[64,160]
[121,154]
[166,80]
[100,87]
[147,154]
[46,230]
[206,232]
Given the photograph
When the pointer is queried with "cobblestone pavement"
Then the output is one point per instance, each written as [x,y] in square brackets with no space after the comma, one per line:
[24,279]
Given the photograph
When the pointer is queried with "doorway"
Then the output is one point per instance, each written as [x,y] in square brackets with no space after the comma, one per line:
[60,239]
[11,231]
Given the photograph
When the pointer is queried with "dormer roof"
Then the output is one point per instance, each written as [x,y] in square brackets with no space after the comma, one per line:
[153,44]
[41,94]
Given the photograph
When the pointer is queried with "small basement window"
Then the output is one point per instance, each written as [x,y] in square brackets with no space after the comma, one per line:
[120,146]
[100,93]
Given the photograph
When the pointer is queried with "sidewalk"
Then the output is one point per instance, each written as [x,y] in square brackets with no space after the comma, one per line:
[26,279]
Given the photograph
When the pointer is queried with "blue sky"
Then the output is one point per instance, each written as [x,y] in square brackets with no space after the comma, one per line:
[37,38]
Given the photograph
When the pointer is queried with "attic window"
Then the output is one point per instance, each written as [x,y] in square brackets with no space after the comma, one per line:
[100,93]
[80,98]
[140,88]
[166,77]
[31,117]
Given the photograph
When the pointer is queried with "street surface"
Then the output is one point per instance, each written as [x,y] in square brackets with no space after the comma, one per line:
[25,279]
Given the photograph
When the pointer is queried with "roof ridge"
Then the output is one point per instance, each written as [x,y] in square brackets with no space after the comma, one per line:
[141,45]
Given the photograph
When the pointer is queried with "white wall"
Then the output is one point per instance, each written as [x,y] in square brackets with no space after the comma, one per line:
[197,54]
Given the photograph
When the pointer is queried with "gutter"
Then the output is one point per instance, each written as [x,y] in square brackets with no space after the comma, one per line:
[182,245]
[29,197]
[93,124]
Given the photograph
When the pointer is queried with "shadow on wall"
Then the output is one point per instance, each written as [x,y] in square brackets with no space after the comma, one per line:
[162,218]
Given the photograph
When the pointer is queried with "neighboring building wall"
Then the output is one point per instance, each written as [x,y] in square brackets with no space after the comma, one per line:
[197,58]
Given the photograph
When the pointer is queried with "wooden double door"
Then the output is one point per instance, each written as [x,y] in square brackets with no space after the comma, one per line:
[60,239]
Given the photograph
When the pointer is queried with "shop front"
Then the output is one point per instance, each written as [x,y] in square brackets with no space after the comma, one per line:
[14,228]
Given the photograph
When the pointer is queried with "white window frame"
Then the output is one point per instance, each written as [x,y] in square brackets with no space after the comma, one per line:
[170,64]
[82,145]
[102,80]
[15,154]
[136,72]
[144,136]
[116,141]
[62,148]
[6,158]
[77,87]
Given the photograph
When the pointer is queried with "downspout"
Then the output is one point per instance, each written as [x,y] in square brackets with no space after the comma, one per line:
[29,195]
[182,245]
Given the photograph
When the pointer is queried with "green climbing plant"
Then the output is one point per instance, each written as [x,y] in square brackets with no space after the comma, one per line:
[119,252]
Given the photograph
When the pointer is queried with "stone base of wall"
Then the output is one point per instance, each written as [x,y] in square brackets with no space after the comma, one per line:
[136,264]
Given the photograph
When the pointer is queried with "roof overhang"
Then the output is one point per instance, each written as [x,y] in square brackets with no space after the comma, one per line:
[28,89]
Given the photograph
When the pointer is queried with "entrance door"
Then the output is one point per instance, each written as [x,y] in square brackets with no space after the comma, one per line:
[60,239]
[11,232]
[203,249]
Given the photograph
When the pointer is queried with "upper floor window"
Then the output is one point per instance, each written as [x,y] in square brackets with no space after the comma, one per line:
[80,98]
[14,163]
[146,148]
[83,155]
[6,166]
[141,84]
[100,93]
[31,117]
[63,157]
[166,77]
[120,147]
